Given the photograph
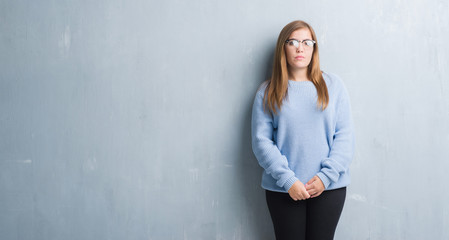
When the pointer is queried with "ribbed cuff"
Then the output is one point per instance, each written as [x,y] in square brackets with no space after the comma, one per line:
[288,184]
[326,181]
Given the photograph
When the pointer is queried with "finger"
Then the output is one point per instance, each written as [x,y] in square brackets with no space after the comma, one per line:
[316,195]
[311,181]
[310,186]
[298,197]
[307,195]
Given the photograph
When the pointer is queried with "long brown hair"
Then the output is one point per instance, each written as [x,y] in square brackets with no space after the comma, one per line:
[276,90]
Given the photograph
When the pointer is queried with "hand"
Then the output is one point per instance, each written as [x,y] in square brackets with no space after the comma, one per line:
[315,187]
[298,192]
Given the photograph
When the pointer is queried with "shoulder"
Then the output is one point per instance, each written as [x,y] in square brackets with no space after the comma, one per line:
[261,88]
[334,83]
[333,80]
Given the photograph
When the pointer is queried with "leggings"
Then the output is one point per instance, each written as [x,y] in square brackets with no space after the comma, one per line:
[311,219]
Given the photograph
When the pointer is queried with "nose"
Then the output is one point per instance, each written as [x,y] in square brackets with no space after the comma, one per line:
[300,48]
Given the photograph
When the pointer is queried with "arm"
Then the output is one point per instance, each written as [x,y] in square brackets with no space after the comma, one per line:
[265,150]
[342,149]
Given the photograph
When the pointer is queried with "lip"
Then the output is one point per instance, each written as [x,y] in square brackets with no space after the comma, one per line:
[299,57]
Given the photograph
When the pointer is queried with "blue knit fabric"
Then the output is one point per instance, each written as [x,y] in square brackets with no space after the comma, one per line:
[301,140]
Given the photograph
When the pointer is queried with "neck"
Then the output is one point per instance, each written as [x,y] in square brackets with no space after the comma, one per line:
[298,75]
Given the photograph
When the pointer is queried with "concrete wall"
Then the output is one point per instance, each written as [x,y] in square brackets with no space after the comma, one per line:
[131,119]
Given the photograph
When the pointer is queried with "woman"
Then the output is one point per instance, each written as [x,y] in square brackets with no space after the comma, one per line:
[302,135]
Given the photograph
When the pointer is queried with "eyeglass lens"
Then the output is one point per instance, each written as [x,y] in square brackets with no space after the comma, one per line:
[294,42]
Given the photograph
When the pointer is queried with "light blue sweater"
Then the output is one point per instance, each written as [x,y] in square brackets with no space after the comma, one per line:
[302,141]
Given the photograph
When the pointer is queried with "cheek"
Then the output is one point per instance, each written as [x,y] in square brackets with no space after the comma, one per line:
[288,57]
[288,53]
[311,55]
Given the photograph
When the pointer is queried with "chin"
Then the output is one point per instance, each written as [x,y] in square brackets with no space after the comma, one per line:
[301,66]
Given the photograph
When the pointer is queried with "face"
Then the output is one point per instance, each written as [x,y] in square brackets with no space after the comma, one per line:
[299,58]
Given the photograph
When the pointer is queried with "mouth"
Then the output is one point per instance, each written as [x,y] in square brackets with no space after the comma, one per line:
[299,57]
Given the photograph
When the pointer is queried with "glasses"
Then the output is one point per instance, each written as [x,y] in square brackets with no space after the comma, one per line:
[295,43]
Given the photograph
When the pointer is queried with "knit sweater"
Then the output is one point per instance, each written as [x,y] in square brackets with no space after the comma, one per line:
[301,140]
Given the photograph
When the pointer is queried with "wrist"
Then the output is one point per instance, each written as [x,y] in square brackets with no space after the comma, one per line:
[324,179]
[289,183]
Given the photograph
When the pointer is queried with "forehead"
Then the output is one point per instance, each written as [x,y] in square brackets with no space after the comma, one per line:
[301,34]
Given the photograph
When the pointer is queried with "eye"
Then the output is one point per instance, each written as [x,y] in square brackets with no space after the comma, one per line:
[294,43]
[308,43]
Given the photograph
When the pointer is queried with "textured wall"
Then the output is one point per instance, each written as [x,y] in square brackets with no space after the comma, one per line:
[131,119]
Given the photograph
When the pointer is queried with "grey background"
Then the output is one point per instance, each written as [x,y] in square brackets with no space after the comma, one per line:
[131,119]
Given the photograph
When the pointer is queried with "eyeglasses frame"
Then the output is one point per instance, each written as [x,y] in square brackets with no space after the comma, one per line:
[288,40]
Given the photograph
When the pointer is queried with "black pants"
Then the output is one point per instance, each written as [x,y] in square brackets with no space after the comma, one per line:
[311,219]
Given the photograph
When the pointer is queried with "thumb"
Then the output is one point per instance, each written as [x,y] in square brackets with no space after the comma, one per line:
[311,181]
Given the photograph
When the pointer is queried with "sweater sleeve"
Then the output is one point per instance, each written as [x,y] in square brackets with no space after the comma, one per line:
[342,149]
[266,151]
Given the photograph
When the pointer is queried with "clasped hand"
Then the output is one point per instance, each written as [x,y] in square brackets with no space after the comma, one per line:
[313,188]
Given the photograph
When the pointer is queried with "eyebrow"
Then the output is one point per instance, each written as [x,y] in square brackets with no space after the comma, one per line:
[298,40]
